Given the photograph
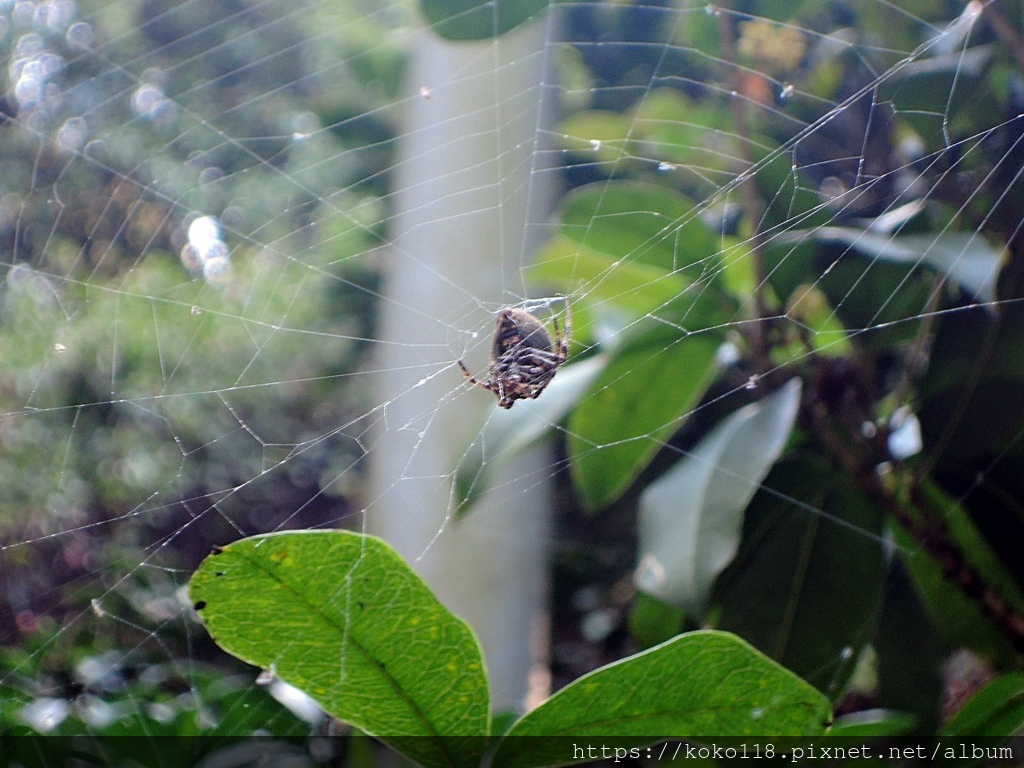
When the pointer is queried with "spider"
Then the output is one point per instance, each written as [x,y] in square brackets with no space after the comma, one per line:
[523,359]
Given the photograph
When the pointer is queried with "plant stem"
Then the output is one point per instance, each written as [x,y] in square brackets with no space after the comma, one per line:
[752,208]
[1006,31]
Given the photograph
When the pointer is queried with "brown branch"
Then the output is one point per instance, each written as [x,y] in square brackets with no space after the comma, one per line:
[1005,31]
[922,338]
[752,208]
[923,523]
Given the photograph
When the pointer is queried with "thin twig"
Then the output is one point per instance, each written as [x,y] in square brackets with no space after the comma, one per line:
[917,348]
[1005,31]
[752,208]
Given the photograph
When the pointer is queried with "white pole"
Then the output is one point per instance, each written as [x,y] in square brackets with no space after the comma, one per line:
[467,184]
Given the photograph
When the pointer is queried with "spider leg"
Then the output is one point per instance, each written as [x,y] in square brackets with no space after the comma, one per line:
[563,342]
[540,358]
[489,386]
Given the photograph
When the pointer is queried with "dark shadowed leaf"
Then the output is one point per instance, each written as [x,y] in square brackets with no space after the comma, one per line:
[785,591]
[927,91]
[958,615]
[909,654]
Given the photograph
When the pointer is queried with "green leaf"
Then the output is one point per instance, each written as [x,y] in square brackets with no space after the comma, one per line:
[966,258]
[478,19]
[881,303]
[342,617]
[909,654]
[698,685]
[995,710]
[789,195]
[808,306]
[652,621]
[739,276]
[691,518]
[639,400]
[509,431]
[873,722]
[632,286]
[596,134]
[645,223]
[669,126]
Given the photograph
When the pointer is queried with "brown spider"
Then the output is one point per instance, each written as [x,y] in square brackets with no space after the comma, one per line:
[523,359]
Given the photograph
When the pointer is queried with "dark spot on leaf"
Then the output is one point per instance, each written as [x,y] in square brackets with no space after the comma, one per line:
[200,605]
[218,573]
[217,550]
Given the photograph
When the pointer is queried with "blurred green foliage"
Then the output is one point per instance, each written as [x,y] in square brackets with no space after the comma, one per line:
[153,404]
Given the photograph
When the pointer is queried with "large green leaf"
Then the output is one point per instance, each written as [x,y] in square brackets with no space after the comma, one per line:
[342,617]
[478,19]
[639,400]
[698,685]
[692,517]
[639,247]
[670,127]
[596,133]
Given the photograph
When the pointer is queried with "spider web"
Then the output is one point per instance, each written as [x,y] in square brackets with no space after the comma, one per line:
[246,243]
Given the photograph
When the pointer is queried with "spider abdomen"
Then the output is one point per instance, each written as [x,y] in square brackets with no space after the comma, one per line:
[519,329]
